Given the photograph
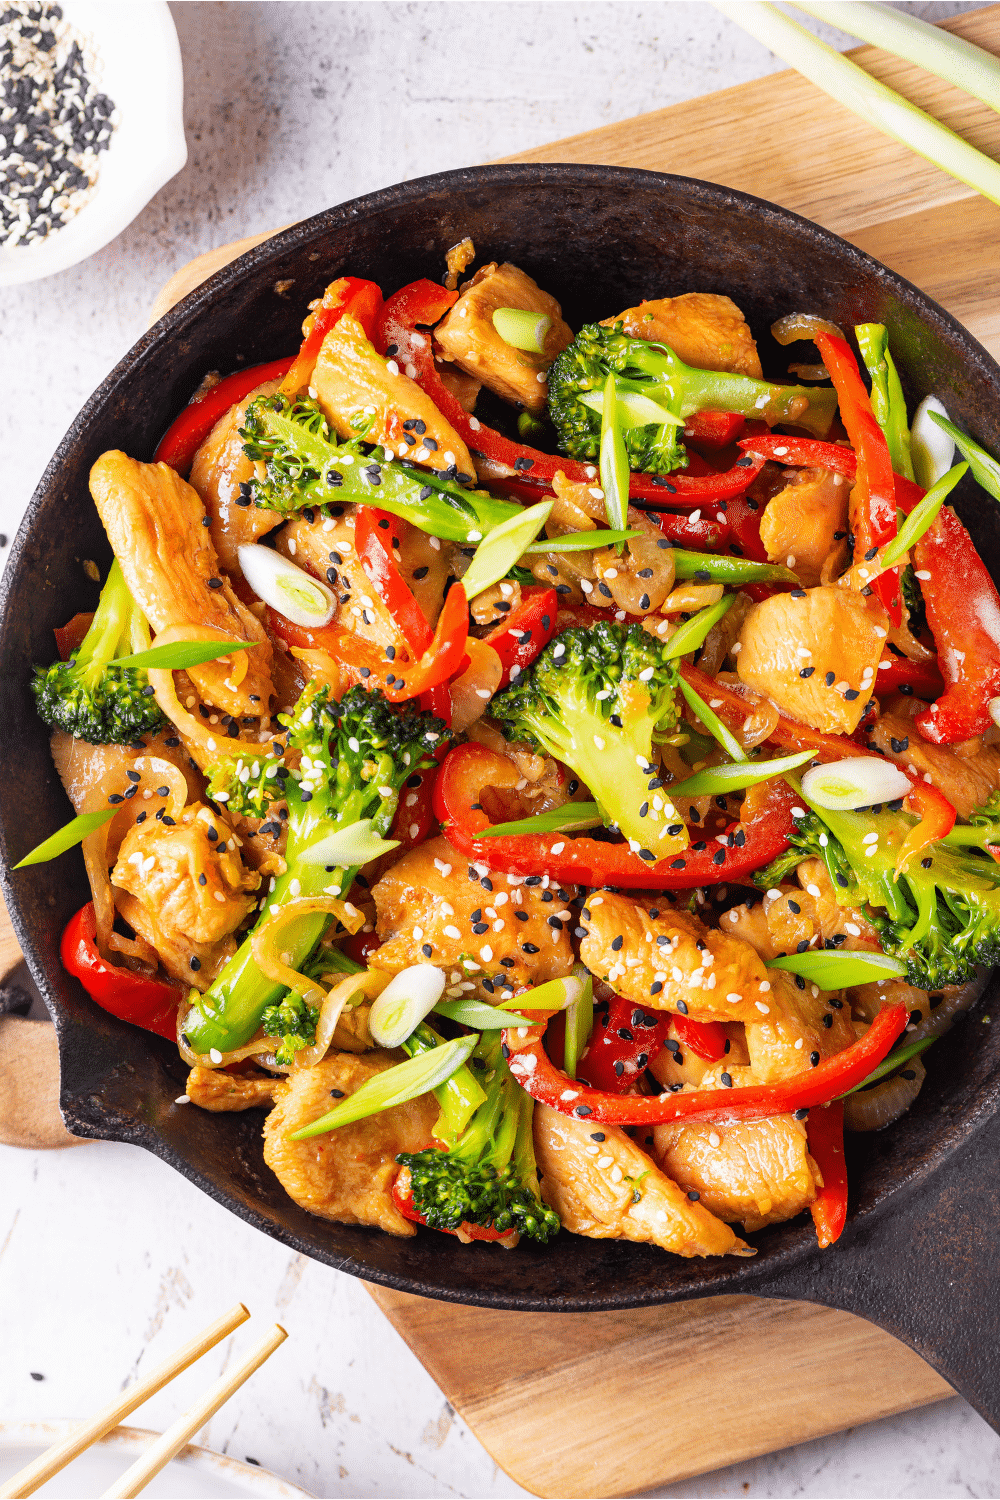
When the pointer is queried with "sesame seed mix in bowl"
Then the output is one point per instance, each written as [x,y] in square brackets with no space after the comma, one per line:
[494,804]
[54,121]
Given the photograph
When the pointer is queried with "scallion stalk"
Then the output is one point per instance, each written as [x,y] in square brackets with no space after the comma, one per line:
[712,722]
[614,459]
[583,541]
[921,517]
[985,468]
[72,833]
[522,329]
[873,101]
[579,1021]
[690,635]
[571,816]
[734,570]
[718,781]
[500,548]
[888,401]
[833,969]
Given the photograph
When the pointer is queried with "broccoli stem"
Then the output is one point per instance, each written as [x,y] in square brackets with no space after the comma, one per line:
[888,401]
[458,1097]
[116,629]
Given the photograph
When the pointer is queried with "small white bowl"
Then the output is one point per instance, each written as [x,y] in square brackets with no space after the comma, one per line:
[137,44]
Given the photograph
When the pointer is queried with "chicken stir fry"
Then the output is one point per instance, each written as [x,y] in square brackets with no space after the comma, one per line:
[569,832]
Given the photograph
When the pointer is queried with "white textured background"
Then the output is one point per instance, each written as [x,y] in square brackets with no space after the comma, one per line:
[107,1258]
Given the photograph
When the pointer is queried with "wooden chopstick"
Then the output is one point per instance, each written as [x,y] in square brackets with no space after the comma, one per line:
[135,1479]
[28,1480]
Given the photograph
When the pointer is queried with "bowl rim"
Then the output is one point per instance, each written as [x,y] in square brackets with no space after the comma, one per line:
[798,1243]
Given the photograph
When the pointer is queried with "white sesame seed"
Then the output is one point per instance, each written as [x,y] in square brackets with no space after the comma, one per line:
[215,1055]
[765,1010]
[605,1161]
[714,1140]
[852,928]
[734,998]
[598,742]
[798,1045]
[922,574]
[182,1099]
[814,890]
[452,932]
[870,838]
[764,986]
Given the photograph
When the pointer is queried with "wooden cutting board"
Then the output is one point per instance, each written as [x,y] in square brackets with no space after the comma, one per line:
[609,1404]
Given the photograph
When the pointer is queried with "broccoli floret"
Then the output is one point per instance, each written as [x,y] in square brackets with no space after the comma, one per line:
[305,466]
[487,1175]
[942,915]
[294,1022]
[593,699]
[90,696]
[656,393]
[344,762]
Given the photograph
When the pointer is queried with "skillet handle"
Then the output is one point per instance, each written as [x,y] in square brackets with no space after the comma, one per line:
[927,1271]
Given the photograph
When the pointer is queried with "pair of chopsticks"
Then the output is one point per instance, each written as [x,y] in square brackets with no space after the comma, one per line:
[135,1479]
[946,56]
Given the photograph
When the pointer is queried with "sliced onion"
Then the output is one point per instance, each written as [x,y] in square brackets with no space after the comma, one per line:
[404,1003]
[802,326]
[858,782]
[873,1109]
[931,449]
[354,845]
[290,590]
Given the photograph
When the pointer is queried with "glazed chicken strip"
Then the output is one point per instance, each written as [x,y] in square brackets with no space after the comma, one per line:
[815,653]
[703,329]
[755,1172]
[809,913]
[805,526]
[228,1093]
[85,769]
[154,520]
[189,891]
[467,335]
[602,1186]
[672,961]
[431,909]
[347,1174]
[966,774]
[221,474]
[354,384]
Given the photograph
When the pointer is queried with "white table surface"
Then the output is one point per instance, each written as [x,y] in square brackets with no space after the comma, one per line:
[108,1259]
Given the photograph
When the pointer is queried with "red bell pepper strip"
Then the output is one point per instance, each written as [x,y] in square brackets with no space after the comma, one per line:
[70,637]
[825,1132]
[920,677]
[963,612]
[415,813]
[525,631]
[758,1101]
[373,538]
[706,1039]
[409,679]
[349,294]
[874,485]
[361,945]
[468,769]
[714,429]
[744,517]
[624,1039]
[808,453]
[937,817]
[402,1196]
[187,432]
[425,303]
[145,1002]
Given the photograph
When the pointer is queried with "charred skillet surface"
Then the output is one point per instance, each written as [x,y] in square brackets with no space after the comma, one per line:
[598,238]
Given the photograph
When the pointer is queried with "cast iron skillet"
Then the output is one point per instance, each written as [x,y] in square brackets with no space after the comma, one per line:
[918,1255]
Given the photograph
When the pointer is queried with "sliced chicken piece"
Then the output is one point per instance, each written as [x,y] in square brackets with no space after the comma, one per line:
[967,780]
[756,1172]
[805,526]
[666,959]
[703,329]
[433,907]
[354,384]
[189,892]
[467,336]
[84,769]
[464,388]
[228,1093]
[803,1025]
[347,1174]
[221,474]
[804,914]
[154,522]
[617,1192]
[815,653]
[679,1064]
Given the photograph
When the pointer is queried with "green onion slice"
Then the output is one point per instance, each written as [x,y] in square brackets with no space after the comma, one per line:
[522,329]
[502,546]
[710,719]
[408,997]
[735,570]
[354,845]
[833,969]
[558,994]
[67,837]
[407,1080]
[921,517]
[177,655]
[891,1063]
[985,468]
[579,1021]
[556,820]
[614,459]
[716,781]
[480,1015]
[581,541]
[858,781]
[690,635]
